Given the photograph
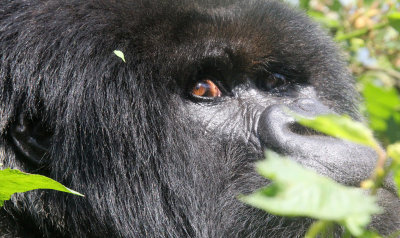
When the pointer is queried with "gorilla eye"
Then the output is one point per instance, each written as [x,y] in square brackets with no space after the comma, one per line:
[206,88]
[273,81]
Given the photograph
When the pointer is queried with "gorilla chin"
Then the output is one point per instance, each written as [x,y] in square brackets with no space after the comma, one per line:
[163,144]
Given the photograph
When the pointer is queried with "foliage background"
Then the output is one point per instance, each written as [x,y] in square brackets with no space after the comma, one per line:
[371,44]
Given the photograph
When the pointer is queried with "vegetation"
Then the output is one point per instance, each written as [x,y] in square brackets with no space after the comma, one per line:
[368,31]
[14,181]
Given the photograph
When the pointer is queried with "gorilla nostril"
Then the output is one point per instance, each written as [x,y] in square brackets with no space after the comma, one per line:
[304,131]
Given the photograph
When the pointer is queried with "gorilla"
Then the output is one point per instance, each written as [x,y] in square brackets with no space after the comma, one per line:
[163,144]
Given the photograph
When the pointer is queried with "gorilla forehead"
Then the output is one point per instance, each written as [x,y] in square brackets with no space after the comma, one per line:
[240,35]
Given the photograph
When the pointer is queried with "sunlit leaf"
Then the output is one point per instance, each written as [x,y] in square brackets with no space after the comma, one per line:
[120,54]
[383,108]
[296,191]
[14,181]
[341,127]
[393,152]
[394,20]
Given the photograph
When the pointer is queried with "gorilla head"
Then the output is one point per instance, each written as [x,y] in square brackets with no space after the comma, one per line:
[162,145]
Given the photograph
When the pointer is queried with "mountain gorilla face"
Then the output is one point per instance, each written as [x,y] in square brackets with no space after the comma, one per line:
[163,144]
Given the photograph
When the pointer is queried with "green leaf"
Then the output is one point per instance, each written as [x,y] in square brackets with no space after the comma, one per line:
[383,97]
[296,191]
[393,151]
[14,181]
[383,107]
[371,234]
[120,54]
[394,20]
[304,4]
[336,6]
[324,20]
[341,127]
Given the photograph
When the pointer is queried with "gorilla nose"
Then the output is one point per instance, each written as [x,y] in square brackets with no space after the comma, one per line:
[345,162]
[278,130]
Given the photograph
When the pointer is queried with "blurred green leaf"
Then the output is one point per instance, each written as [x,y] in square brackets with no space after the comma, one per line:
[393,151]
[341,127]
[14,181]
[356,43]
[384,62]
[335,6]
[296,191]
[370,234]
[323,19]
[383,108]
[394,20]
[304,4]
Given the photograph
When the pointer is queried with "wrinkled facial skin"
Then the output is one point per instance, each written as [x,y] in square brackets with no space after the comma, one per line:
[163,144]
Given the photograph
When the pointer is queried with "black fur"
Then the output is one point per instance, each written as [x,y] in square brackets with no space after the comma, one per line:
[152,160]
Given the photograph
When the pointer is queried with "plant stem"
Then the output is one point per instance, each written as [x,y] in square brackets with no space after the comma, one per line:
[316,228]
[360,32]
[380,172]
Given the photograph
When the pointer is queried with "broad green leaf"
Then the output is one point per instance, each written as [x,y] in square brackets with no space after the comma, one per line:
[387,98]
[296,191]
[383,107]
[14,181]
[394,20]
[342,127]
[120,54]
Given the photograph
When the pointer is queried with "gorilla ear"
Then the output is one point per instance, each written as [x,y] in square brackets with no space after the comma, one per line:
[31,140]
